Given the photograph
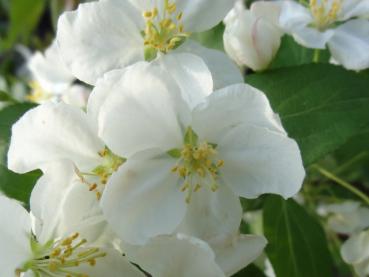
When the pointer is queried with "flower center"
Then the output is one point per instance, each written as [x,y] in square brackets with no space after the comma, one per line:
[38,94]
[61,257]
[197,165]
[325,12]
[163,32]
[99,176]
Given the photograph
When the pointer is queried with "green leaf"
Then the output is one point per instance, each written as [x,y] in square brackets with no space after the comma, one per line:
[5,97]
[250,271]
[190,137]
[321,106]
[297,246]
[18,186]
[24,17]
[11,184]
[212,38]
[290,54]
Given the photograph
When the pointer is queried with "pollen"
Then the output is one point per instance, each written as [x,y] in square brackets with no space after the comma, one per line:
[61,257]
[198,165]
[325,12]
[164,31]
[97,179]
[38,94]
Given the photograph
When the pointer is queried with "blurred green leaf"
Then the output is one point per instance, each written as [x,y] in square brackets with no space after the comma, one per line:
[212,38]
[18,186]
[250,271]
[11,184]
[24,17]
[321,106]
[297,246]
[5,97]
[290,54]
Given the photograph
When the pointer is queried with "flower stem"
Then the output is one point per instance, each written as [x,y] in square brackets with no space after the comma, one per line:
[316,56]
[342,183]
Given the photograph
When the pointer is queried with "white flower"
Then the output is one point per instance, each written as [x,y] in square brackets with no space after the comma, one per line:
[333,24]
[49,249]
[231,143]
[355,251]
[166,256]
[347,217]
[50,79]
[252,37]
[111,34]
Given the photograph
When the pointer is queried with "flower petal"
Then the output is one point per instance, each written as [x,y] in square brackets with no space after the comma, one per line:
[350,44]
[143,199]
[76,95]
[64,205]
[312,38]
[114,264]
[15,235]
[198,16]
[100,36]
[293,15]
[258,161]
[356,248]
[234,105]
[179,255]
[234,255]
[191,74]
[223,71]
[49,70]
[212,215]
[354,8]
[142,111]
[52,132]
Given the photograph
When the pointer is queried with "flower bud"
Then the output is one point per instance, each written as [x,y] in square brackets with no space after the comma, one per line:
[252,37]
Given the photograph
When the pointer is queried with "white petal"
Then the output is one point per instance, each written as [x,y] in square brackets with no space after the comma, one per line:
[76,95]
[234,255]
[269,11]
[258,161]
[212,215]
[293,15]
[51,132]
[238,104]
[312,38]
[191,74]
[356,248]
[143,199]
[114,264]
[49,70]
[142,111]
[223,70]
[198,16]
[180,255]
[64,205]
[15,235]
[354,8]
[100,36]
[350,44]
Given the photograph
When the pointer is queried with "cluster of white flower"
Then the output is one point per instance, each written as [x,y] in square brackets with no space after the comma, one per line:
[352,219]
[145,176]
[253,37]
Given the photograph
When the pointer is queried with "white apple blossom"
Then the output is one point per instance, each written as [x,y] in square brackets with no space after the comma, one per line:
[180,151]
[56,131]
[111,34]
[45,245]
[51,80]
[355,251]
[252,37]
[165,256]
[336,24]
[345,218]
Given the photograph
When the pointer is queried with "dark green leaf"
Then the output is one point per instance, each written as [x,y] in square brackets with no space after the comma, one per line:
[290,54]
[322,106]
[24,17]
[5,97]
[250,271]
[212,38]
[17,186]
[297,246]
